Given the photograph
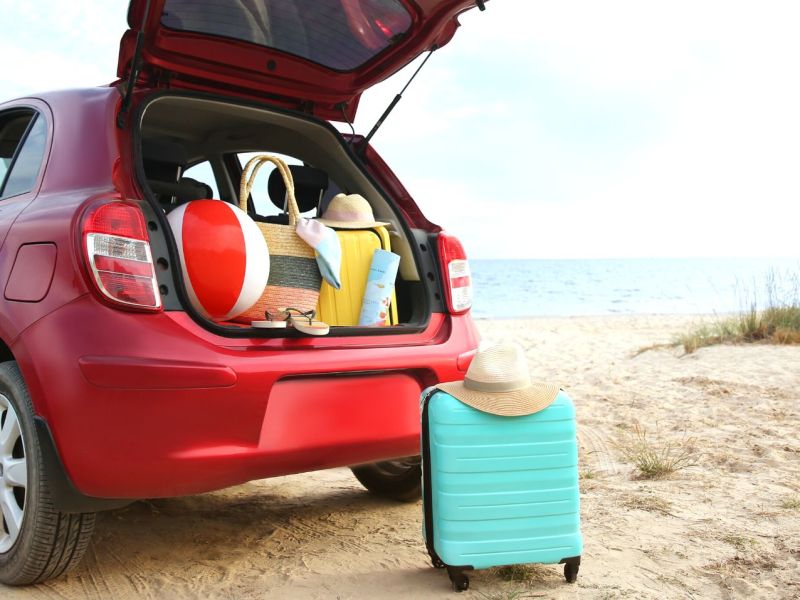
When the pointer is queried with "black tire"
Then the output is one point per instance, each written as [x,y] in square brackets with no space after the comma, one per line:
[48,542]
[399,480]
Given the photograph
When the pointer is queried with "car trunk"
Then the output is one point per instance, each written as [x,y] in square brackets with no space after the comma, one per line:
[187,141]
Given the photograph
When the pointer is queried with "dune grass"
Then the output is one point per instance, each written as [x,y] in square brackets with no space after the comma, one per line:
[648,503]
[656,460]
[772,317]
[740,542]
[526,573]
[791,503]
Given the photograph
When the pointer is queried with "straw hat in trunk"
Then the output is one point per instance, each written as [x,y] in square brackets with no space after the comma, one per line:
[350,211]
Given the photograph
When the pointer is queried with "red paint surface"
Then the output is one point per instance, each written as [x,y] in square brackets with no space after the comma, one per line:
[141,443]
[128,372]
[32,273]
[465,360]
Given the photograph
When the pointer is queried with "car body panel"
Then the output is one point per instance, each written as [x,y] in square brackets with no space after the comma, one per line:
[79,125]
[287,411]
[31,273]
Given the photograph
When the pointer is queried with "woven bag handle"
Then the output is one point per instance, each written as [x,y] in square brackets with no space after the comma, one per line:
[249,180]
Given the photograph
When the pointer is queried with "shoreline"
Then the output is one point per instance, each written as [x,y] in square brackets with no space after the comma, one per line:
[611,316]
[676,315]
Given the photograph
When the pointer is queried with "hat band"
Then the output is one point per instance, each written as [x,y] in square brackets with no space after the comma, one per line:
[346,215]
[497,386]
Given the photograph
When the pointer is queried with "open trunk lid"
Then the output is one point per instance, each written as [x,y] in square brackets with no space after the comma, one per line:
[314,55]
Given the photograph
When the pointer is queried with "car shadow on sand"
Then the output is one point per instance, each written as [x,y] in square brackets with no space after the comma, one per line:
[307,536]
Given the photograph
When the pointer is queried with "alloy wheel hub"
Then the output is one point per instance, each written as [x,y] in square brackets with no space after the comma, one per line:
[13,475]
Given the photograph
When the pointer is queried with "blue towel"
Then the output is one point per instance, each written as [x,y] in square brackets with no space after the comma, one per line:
[326,245]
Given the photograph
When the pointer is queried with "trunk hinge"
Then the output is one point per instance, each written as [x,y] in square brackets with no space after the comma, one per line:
[342,106]
[307,107]
[136,67]
[162,78]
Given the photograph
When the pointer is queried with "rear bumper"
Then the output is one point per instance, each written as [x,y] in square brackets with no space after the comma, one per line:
[144,406]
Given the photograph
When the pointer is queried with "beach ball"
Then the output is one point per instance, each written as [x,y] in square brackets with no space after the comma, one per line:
[224,258]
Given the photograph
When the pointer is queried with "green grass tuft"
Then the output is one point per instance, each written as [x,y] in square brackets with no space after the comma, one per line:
[655,460]
[791,503]
[739,542]
[778,322]
[526,573]
[649,504]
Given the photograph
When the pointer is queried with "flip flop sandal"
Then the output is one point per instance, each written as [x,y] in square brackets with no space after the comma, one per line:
[273,321]
[304,322]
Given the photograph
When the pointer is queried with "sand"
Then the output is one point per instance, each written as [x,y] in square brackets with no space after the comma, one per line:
[727,527]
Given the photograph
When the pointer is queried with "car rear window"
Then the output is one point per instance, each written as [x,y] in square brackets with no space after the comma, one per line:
[22,146]
[13,126]
[338,34]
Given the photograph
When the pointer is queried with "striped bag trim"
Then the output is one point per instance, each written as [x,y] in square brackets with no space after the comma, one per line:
[294,271]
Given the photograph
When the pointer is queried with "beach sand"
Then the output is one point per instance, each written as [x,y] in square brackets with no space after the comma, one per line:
[728,527]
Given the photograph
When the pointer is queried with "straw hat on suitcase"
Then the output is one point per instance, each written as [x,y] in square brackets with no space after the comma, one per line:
[498,382]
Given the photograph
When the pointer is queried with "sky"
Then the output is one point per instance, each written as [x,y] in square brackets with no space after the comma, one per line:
[573,129]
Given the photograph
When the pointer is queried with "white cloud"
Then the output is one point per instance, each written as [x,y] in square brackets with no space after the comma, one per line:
[51,44]
[717,85]
[574,128]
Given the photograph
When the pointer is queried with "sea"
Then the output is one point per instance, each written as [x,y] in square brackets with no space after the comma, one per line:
[526,288]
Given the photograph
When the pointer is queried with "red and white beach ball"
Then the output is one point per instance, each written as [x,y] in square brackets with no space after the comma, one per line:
[224,257]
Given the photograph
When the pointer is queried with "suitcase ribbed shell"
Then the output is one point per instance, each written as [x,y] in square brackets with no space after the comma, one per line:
[504,490]
[343,307]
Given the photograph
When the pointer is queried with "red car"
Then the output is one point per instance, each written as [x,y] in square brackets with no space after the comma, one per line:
[112,387]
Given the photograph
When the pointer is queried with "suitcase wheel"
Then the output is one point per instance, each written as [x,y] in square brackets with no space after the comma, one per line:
[459,580]
[461,583]
[571,568]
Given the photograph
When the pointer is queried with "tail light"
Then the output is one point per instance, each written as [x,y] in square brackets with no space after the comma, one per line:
[457,279]
[117,252]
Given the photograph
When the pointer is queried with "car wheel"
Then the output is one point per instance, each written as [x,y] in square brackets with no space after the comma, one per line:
[396,479]
[37,542]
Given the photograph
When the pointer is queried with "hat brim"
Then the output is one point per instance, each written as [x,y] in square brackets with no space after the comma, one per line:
[351,224]
[525,401]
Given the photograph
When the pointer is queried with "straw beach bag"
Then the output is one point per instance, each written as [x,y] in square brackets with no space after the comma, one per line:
[294,277]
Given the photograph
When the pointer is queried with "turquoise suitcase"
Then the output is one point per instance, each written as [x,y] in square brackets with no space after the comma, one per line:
[499,490]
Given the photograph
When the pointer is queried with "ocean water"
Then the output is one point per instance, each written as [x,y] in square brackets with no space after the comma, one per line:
[523,288]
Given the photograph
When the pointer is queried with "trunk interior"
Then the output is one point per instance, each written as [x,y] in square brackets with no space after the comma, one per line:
[193,148]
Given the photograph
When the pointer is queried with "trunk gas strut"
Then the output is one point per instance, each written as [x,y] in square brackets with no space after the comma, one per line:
[394,102]
[136,67]
[481,4]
